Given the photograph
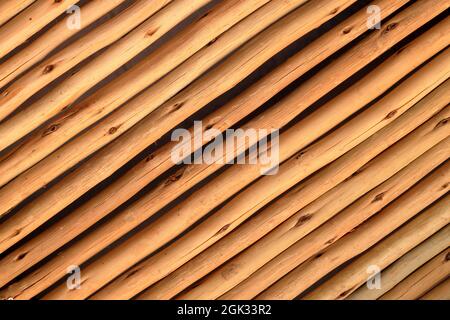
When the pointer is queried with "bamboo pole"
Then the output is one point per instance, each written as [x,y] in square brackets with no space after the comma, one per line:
[289,215]
[223,221]
[440,292]
[10,8]
[61,97]
[110,160]
[30,21]
[116,226]
[384,253]
[406,265]
[36,147]
[407,206]
[425,278]
[121,190]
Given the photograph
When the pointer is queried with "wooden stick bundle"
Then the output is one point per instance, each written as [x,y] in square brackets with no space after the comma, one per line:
[297,226]
[129,219]
[60,98]
[440,292]
[10,8]
[406,265]
[227,218]
[30,21]
[122,189]
[407,206]
[104,101]
[385,252]
[51,39]
[426,277]
[107,161]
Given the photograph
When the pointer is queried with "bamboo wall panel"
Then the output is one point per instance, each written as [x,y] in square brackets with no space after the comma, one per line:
[347,102]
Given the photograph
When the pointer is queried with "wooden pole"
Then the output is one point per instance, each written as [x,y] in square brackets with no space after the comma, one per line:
[406,265]
[440,292]
[425,278]
[10,8]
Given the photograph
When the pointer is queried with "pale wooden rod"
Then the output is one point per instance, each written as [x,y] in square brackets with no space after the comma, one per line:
[440,292]
[368,234]
[406,265]
[10,8]
[423,279]
[135,180]
[123,224]
[293,209]
[291,26]
[386,252]
[135,139]
[129,45]
[223,221]
[30,21]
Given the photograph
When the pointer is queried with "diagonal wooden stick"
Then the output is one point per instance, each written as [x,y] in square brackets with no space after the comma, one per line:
[407,206]
[406,265]
[440,292]
[425,278]
[30,21]
[10,8]
[37,50]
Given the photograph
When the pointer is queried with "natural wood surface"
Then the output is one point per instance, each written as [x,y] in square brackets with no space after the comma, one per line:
[136,179]
[109,160]
[30,21]
[406,265]
[425,278]
[407,206]
[440,292]
[10,8]
[314,135]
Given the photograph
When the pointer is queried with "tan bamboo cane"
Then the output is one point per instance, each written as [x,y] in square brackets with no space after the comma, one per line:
[129,219]
[51,39]
[404,266]
[91,212]
[68,91]
[10,8]
[291,25]
[222,222]
[440,292]
[292,206]
[30,21]
[408,205]
[425,278]
[137,139]
[383,254]
[70,123]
